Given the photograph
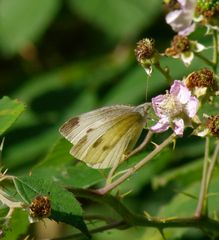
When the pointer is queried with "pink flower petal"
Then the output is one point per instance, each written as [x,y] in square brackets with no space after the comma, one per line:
[178,126]
[188,30]
[182,2]
[161,126]
[180,91]
[156,104]
[192,106]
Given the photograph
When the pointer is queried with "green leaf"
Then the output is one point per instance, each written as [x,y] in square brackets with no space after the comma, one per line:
[64,206]
[184,206]
[18,225]
[58,164]
[58,156]
[9,112]
[24,21]
[120,18]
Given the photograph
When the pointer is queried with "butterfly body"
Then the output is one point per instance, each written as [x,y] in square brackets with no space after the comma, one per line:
[102,138]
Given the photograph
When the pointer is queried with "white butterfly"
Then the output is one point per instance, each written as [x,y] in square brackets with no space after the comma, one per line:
[102,138]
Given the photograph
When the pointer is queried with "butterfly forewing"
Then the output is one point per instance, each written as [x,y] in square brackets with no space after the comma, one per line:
[102,137]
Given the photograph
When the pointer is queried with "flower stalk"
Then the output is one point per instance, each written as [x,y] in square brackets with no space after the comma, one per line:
[133,169]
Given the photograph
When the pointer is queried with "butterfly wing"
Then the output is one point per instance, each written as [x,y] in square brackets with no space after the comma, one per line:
[101,137]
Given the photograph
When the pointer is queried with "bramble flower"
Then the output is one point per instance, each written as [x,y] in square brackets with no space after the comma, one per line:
[181,18]
[175,109]
[183,48]
[201,83]
[146,54]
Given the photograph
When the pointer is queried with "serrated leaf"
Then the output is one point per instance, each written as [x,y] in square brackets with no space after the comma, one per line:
[64,206]
[10,110]
[23,21]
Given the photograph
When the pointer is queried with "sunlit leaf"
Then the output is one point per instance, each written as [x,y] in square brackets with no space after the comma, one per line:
[10,110]
[64,207]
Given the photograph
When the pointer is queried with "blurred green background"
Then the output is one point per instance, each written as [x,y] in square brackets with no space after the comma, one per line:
[62,58]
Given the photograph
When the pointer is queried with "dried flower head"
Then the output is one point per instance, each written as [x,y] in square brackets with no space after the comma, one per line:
[202,78]
[146,54]
[213,125]
[40,207]
[181,47]
[179,44]
[201,82]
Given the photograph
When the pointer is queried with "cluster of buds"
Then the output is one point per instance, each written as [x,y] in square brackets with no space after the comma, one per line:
[207,12]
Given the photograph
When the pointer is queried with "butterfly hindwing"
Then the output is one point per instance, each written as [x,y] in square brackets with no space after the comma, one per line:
[101,137]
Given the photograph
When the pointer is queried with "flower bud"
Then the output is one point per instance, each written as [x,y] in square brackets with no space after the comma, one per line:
[208,10]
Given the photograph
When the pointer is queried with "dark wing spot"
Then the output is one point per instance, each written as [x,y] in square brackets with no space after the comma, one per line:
[82,140]
[99,140]
[106,147]
[67,127]
[90,130]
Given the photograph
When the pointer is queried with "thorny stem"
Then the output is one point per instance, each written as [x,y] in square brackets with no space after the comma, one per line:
[212,164]
[133,169]
[201,206]
[165,72]
[215,50]
[130,219]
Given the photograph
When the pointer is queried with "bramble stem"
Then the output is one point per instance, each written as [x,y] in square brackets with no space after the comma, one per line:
[130,219]
[202,202]
[133,169]
[165,72]
[215,50]
[212,164]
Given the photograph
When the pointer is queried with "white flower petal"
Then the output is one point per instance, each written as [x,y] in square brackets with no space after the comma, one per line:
[172,16]
[148,70]
[182,2]
[178,126]
[161,126]
[192,106]
[198,47]
[187,58]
